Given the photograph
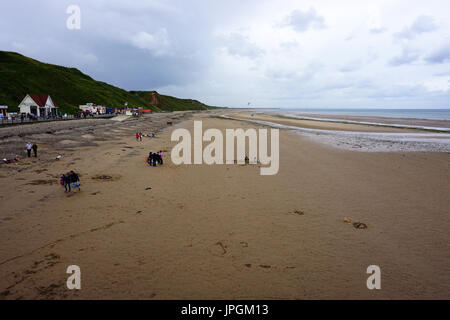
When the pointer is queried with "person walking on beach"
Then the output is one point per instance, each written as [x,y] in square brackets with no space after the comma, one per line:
[140,136]
[66,179]
[29,149]
[150,158]
[34,147]
[75,180]
[137,136]
[161,157]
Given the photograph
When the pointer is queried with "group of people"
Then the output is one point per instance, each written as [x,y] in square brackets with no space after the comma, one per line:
[70,180]
[139,135]
[155,158]
[7,161]
[32,147]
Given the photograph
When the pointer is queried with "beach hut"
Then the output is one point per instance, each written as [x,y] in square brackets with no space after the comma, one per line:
[93,108]
[3,111]
[38,105]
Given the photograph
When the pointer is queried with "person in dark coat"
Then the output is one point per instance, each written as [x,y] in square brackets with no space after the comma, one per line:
[67,179]
[34,147]
[150,158]
[154,159]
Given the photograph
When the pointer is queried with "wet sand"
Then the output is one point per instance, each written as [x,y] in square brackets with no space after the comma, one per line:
[340,126]
[224,231]
[375,119]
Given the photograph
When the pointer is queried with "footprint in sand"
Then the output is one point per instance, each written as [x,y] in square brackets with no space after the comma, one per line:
[244,244]
[220,249]
[104,177]
[41,182]
[360,225]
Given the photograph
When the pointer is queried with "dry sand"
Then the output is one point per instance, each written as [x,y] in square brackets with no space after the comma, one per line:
[224,231]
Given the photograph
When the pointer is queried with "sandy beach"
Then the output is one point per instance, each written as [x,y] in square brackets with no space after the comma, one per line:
[219,231]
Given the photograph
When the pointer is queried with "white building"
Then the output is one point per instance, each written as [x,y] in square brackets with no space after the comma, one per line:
[93,108]
[39,105]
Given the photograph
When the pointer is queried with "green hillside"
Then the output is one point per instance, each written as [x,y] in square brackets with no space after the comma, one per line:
[164,102]
[68,87]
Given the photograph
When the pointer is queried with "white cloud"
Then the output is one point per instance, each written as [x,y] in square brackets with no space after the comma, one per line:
[158,43]
[438,84]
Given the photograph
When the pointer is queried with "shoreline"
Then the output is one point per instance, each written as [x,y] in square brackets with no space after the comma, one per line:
[371,121]
[354,135]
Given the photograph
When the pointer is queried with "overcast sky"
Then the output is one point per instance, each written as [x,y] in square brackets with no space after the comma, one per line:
[322,53]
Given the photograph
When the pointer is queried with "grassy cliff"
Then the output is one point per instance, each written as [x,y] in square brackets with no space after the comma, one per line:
[69,87]
[169,103]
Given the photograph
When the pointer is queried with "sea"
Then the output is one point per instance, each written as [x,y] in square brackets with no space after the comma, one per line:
[429,114]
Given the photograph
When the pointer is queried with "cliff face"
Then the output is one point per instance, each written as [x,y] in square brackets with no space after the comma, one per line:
[164,102]
[154,101]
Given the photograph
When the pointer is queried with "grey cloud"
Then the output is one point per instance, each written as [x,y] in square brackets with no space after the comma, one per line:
[289,45]
[239,45]
[440,55]
[351,66]
[351,37]
[280,75]
[378,30]
[406,57]
[422,24]
[127,44]
[301,21]
[442,74]
[398,91]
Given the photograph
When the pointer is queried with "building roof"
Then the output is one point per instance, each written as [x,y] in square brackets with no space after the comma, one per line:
[41,99]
